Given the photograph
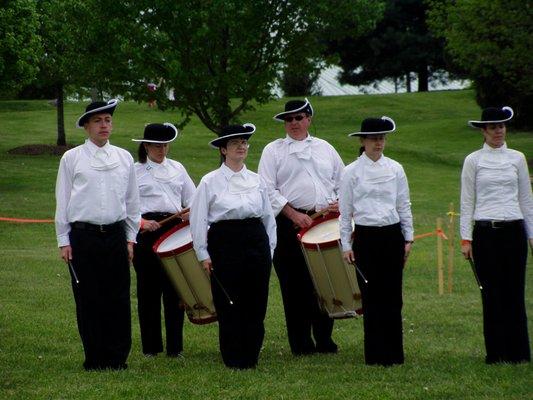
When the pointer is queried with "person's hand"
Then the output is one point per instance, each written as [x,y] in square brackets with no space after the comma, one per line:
[207,265]
[466,249]
[151,225]
[185,216]
[65,252]
[334,207]
[301,220]
[130,251]
[349,256]
[408,246]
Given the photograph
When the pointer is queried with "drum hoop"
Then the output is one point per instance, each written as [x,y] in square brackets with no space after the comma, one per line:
[317,221]
[165,235]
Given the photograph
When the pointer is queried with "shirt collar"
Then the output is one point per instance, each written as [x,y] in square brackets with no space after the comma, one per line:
[154,164]
[290,140]
[498,149]
[368,160]
[228,172]
[94,148]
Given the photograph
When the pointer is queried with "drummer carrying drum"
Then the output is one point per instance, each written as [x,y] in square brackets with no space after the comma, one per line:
[374,194]
[302,173]
[233,202]
[165,189]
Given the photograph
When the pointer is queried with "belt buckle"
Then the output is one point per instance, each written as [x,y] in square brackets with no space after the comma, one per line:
[494,225]
[102,230]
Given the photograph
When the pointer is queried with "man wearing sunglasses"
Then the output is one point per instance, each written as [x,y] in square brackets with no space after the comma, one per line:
[302,174]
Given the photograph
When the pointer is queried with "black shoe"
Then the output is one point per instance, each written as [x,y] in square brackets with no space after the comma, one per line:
[328,348]
[176,354]
[150,355]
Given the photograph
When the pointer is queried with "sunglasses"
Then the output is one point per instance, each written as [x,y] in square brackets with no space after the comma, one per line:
[297,118]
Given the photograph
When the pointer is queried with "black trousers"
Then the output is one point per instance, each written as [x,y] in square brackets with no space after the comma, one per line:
[153,284]
[500,260]
[302,312]
[240,252]
[379,254]
[102,296]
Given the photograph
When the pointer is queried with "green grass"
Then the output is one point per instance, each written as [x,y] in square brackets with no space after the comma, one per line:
[40,350]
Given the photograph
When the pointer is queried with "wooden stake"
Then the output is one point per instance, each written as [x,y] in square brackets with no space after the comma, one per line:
[440,261]
[451,247]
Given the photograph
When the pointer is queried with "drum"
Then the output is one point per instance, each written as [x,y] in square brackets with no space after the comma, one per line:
[186,273]
[334,279]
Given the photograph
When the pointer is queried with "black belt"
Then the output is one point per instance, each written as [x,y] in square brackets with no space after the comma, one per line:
[156,216]
[499,224]
[85,226]
[246,221]
[377,228]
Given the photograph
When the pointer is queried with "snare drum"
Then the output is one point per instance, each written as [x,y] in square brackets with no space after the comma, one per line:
[186,273]
[334,279]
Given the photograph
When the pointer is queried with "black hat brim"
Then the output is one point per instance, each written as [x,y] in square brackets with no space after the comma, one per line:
[160,141]
[281,116]
[247,132]
[362,133]
[481,124]
[109,108]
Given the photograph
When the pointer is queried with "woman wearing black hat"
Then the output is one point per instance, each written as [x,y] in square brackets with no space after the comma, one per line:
[165,189]
[374,195]
[97,219]
[233,202]
[496,199]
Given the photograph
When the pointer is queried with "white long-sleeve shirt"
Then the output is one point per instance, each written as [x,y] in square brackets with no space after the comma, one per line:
[165,187]
[87,190]
[224,194]
[305,173]
[495,186]
[374,194]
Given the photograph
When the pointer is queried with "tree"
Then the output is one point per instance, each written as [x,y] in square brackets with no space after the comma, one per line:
[399,45]
[492,41]
[219,57]
[20,45]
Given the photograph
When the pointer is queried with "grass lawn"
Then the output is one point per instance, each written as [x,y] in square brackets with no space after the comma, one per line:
[40,349]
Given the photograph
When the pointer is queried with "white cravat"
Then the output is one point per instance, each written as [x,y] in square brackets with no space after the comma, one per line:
[302,148]
[104,159]
[163,172]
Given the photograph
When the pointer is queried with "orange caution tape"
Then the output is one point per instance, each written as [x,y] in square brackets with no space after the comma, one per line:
[436,232]
[25,220]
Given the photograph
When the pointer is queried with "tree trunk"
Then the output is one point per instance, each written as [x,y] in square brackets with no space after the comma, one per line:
[423,79]
[61,138]
[95,96]
[408,82]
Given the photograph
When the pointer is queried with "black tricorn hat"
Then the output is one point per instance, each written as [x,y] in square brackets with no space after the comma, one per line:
[159,133]
[376,126]
[231,132]
[493,115]
[295,106]
[96,107]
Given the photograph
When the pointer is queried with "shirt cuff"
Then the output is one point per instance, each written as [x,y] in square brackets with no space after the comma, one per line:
[202,255]
[63,240]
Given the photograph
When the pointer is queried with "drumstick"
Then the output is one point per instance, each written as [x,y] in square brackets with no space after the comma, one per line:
[475,273]
[73,271]
[168,219]
[316,215]
[359,271]
[178,214]
[221,287]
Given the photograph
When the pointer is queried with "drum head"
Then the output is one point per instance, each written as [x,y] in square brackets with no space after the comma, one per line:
[324,232]
[175,241]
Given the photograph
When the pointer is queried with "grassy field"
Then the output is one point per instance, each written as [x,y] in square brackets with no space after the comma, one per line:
[40,350]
